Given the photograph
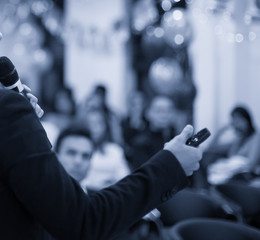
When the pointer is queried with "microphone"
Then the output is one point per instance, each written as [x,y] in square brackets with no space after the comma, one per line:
[10,80]
[9,76]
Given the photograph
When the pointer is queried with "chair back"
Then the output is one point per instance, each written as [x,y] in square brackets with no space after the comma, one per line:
[189,204]
[246,196]
[213,229]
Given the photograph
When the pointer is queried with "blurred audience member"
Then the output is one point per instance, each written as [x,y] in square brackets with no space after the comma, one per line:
[64,102]
[134,123]
[159,114]
[64,109]
[74,149]
[234,149]
[108,163]
[98,100]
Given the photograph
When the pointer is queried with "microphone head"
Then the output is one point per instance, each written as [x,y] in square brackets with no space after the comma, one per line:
[8,73]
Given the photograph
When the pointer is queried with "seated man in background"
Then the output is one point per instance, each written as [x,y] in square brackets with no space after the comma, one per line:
[159,115]
[74,149]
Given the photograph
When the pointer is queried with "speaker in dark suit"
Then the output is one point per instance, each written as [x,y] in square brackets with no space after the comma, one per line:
[38,199]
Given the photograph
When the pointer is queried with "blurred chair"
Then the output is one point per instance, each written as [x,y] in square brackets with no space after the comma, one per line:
[143,230]
[247,197]
[190,203]
[213,229]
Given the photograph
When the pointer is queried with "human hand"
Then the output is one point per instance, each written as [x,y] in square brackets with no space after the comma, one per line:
[33,100]
[188,156]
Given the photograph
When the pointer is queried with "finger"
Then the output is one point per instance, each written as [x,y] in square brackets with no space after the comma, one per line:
[27,89]
[197,166]
[39,111]
[33,99]
[186,132]
[40,114]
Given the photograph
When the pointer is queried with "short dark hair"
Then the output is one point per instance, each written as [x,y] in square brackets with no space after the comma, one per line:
[101,89]
[71,130]
[244,112]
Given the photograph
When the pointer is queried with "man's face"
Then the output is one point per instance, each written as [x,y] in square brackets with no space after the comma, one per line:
[161,112]
[74,154]
[97,125]
[240,124]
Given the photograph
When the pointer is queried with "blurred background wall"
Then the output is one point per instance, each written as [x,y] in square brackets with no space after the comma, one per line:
[226,59]
[97,49]
[202,53]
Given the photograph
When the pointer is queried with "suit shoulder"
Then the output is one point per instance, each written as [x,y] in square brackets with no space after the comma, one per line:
[6,94]
[13,103]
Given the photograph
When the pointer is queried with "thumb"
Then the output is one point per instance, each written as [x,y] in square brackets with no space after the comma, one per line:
[186,133]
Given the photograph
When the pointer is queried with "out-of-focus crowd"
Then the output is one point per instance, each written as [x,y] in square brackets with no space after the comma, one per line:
[97,146]
[120,144]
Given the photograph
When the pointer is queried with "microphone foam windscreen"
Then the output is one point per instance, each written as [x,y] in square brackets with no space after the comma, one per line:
[8,73]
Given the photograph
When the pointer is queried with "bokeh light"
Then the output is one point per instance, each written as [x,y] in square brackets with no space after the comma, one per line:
[177,28]
[165,74]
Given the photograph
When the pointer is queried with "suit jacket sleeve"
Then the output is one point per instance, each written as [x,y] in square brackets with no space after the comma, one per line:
[31,170]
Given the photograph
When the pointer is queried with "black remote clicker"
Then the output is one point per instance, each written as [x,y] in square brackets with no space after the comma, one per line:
[198,138]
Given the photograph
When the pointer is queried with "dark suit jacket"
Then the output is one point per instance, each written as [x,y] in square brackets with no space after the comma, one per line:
[37,195]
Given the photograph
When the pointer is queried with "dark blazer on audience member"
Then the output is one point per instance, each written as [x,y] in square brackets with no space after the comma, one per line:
[37,195]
